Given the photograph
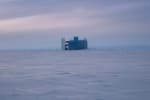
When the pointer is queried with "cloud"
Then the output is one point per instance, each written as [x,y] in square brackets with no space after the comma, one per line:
[55,21]
[110,18]
[123,7]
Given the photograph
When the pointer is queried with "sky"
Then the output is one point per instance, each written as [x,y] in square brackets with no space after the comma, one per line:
[40,24]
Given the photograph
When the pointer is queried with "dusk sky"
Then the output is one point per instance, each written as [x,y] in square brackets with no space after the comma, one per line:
[40,24]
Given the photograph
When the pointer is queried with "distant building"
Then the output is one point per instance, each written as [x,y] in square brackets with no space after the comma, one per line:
[74,44]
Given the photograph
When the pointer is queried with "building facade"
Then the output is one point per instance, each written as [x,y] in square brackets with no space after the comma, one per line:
[74,44]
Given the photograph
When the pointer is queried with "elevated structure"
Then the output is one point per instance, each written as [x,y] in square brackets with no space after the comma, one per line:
[74,44]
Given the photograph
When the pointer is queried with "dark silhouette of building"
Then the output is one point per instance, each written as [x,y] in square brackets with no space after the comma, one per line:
[74,44]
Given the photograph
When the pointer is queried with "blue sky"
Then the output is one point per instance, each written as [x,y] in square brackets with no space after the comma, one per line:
[37,24]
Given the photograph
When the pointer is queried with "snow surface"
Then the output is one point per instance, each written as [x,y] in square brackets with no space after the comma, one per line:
[75,75]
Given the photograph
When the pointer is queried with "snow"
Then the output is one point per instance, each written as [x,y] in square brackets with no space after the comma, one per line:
[75,75]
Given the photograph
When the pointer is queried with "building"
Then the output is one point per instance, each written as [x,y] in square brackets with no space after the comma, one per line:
[74,44]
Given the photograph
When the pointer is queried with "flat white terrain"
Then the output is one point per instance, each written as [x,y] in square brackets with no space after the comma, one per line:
[75,75]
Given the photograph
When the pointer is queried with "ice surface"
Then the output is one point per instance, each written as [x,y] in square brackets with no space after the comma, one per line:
[75,75]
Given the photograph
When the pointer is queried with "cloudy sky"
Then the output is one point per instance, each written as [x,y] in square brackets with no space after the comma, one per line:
[40,24]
